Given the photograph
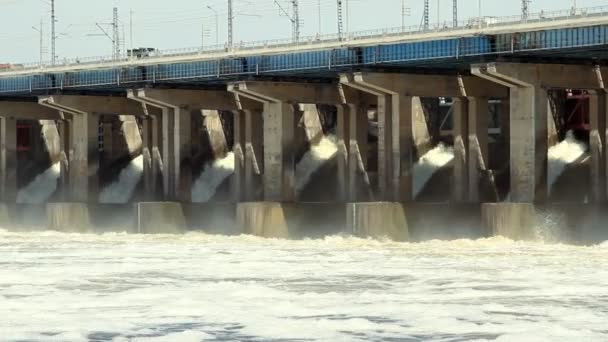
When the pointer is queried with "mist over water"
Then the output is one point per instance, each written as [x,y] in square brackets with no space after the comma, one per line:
[212,177]
[561,155]
[430,163]
[314,159]
[119,287]
[121,191]
[41,188]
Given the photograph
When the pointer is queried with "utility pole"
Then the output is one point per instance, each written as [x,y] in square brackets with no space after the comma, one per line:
[296,20]
[53,35]
[319,15]
[40,30]
[116,34]
[405,11]
[340,23]
[455,13]
[131,33]
[525,10]
[230,24]
[217,25]
[425,15]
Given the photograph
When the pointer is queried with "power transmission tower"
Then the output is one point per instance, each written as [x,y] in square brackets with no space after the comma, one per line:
[455,13]
[525,10]
[296,20]
[230,24]
[40,31]
[340,22]
[425,15]
[115,34]
[405,11]
[53,35]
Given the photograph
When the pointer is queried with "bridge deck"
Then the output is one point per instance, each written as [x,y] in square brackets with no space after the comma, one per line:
[580,37]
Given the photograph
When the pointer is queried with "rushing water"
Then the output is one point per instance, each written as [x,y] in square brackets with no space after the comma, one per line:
[430,163]
[62,287]
[212,177]
[121,191]
[561,155]
[314,159]
[41,188]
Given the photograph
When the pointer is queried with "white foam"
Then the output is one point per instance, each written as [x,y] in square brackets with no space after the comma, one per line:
[430,163]
[41,188]
[121,191]
[192,287]
[561,155]
[314,159]
[212,177]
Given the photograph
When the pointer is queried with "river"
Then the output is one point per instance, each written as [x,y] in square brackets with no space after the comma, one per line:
[195,287]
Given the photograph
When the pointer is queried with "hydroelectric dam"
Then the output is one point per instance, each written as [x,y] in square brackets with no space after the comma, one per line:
[496,128]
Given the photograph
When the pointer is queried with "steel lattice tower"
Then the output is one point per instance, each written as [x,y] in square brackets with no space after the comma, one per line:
[230,23]
[425,16]
[296,20]
[525,9]
[455,13]
[340,22]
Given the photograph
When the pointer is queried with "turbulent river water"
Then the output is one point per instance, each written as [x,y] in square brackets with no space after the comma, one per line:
[195,287]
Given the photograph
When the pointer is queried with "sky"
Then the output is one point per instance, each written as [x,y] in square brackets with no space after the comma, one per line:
[172,24]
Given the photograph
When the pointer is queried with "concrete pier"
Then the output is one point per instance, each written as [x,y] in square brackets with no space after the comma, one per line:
[514,221]
[159,218]
[68,217]
[598,110]
[8,159]
[377,220]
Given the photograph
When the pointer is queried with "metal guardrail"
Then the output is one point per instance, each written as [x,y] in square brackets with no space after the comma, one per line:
[327,61]
[312,41]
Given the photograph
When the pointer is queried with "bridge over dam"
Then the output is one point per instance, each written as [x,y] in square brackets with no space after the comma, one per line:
[493,128]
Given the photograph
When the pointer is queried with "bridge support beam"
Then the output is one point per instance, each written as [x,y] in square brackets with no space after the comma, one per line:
[598,110]
[181,111]
[8,159]
[528,84]
[83,128]
[404,139]
[478,156]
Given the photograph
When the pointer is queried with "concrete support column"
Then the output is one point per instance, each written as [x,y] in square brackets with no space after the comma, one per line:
[385,148]
[461,173]
[152,157]
[8,159]
[358,180]
[478,110]
[597,144]
[65,141]
[504,112]
[279,152]
[254,154]
[345,113]
[528,121]
[403,148]
[239,193]
[183,153]
[176,154]
[84,158]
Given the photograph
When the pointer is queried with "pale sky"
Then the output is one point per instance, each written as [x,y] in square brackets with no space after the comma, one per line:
[168,24]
